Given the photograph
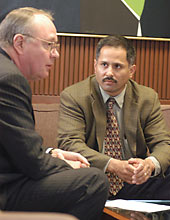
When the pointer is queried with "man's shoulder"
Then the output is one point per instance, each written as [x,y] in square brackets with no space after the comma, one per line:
[7,67]
[141,90]
[81,88]
[11,76]
[144,98]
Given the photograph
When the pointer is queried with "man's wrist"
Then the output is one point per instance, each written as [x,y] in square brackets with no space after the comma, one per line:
[156,168]
[111,165]
[106,166]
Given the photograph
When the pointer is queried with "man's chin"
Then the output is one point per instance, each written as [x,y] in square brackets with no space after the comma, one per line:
[41,76]
[44,75]
[109,90]
[108,86]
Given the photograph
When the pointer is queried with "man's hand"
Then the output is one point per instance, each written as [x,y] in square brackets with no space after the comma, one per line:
[122,169]
[143,170]
[75,160]
[134,171]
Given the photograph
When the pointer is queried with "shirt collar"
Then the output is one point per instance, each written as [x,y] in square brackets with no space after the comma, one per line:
[4,53]
[119,98]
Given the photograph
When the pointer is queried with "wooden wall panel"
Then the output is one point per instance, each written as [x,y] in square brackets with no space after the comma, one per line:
[77,54]
[153,66]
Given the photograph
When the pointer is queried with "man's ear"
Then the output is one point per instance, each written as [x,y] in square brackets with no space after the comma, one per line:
[132,70]
[18,42]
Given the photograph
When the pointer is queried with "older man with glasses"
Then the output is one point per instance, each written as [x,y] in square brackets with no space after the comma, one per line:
[30,178]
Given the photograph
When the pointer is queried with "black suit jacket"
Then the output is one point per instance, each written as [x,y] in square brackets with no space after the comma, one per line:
[22,156]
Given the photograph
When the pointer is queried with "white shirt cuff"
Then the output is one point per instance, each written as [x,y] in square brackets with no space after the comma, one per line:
[48,150]
[157,166]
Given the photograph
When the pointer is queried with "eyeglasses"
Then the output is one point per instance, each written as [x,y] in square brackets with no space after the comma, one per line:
[52,46]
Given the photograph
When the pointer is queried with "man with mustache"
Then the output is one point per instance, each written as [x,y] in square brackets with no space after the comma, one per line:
[143,136]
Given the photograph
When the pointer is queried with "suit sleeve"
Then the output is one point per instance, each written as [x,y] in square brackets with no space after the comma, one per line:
[156,133]
[20,143]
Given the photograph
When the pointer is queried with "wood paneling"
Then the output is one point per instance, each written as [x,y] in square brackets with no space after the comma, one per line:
[77,54]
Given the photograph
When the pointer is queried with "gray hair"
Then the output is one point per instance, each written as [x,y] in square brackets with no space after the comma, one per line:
[117,41]
[19,21]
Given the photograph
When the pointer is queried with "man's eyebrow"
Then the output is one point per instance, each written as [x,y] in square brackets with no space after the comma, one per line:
[53,39]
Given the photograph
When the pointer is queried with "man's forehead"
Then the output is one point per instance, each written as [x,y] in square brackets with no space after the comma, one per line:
[112,52]
[115,48]
[43,27]
[41,16]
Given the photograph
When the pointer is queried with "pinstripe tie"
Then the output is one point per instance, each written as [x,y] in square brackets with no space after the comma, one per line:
[112,146]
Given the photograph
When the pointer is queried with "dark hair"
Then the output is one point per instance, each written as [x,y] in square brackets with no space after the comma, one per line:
[117,41]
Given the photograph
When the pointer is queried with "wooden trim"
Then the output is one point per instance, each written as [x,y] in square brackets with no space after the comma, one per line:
[165,102]
[54,98]
[45,99]
[115,214]
[101,36]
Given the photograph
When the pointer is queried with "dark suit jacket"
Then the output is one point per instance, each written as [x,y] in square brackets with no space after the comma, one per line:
[22,156]
[83,122]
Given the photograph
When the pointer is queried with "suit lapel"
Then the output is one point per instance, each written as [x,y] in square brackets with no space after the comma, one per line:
[130,114]
[99,112]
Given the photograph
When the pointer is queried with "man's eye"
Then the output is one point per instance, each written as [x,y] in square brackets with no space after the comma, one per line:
[49,44]
[104,64]
[117,66]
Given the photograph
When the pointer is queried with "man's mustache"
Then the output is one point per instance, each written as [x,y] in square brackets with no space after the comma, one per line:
[110,78]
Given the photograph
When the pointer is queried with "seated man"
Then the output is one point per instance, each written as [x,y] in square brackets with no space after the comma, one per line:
[30,178]
[118,125]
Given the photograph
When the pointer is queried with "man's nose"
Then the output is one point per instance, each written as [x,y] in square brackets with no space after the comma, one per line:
[110,72]
[55,53]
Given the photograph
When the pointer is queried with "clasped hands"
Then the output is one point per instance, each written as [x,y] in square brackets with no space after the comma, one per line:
[75,160]
[133,171]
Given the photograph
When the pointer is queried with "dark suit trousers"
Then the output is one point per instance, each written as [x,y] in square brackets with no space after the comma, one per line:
[81,192]
[156,188]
